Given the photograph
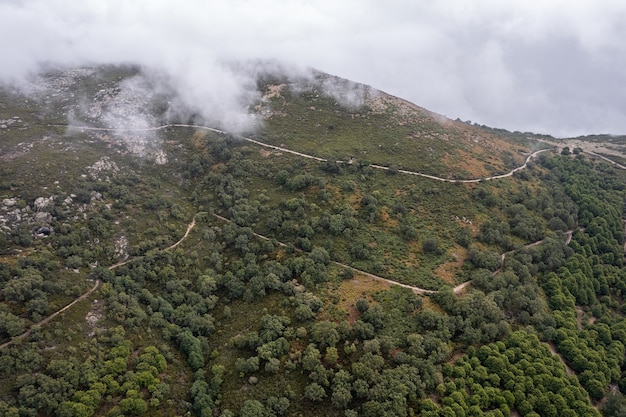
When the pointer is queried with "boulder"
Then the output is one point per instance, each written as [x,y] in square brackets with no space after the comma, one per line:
[9,202]
[42,202]
[43,231]
[43,217]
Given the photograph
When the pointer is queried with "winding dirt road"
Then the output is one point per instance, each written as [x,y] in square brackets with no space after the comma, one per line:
[417,290]
[457,290]
[607,159]
[189,227]
[50,317]
[308,156]
[90,291]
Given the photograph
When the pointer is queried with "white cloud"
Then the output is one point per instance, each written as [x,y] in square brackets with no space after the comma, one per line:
[551,66]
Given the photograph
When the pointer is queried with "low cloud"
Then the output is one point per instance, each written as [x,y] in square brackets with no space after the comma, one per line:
[552,68]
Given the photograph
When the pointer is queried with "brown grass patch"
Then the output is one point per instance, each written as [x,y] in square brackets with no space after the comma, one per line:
[447,271]
[428,304]
[12,259]
[356,288]
[465,161]
[355,199]
[336,191]
[414,250]
[198,139]
[265,153]
[218,167]
[386,218]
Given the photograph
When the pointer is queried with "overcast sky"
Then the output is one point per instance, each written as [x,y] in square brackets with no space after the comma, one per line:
[555,66]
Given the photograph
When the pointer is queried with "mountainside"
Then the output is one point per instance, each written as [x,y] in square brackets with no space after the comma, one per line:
[324,248]
[343,120]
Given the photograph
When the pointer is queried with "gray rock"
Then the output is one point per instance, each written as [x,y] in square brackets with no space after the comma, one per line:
[43,202]
[14,216]
[43,231]
[43,217]
[9,202]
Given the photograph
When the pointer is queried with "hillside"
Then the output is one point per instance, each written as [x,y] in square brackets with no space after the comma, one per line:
[342,120]
[333,251]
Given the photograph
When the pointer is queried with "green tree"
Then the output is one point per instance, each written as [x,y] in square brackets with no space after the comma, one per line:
[314,392]
[134,406]
[431,246]
[325,334]
[252,408]
[615,405]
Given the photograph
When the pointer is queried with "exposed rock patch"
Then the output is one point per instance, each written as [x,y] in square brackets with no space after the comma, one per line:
[102,168]
[94,316]
[41,203]
[160,158]
[121,248]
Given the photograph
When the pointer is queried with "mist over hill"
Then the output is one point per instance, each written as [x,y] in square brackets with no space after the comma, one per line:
[131,100]
[548,68]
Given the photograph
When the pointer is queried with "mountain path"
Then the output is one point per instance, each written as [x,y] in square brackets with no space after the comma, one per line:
[97,283]
[456,290]
[316,158]
[189,227]
[417,290]
[607,159]
[51,316]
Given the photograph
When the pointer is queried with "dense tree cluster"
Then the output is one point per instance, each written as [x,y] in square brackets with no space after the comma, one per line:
[80,385]
[518,373]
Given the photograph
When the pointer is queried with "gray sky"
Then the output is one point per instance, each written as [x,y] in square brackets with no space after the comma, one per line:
[554,66]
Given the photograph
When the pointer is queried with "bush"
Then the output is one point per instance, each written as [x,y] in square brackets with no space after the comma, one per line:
[431,245]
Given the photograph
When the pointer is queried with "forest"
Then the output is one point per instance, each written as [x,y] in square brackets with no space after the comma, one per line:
[237,282]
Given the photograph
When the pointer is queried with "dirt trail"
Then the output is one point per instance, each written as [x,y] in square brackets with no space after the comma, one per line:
[51,316]
[89,292]
[553,350]
[417,290]
[189,227]
[607,159]
[457,290]
[317,158]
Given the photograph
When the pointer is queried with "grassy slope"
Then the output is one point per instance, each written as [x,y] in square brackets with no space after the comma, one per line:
[385,130]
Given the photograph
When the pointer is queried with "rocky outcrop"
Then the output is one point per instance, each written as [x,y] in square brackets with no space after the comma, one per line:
[14,213]
[102,169]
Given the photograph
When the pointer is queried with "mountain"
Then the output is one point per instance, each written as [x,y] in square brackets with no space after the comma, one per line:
[315,247]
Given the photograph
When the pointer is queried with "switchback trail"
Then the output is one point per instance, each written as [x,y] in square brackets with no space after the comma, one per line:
[620,166]
[91,290]
[568,239]
[50,317]
[456,290]
[308,156]
[189,227]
